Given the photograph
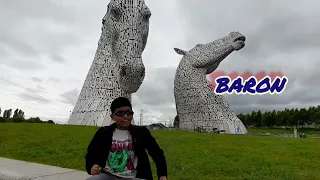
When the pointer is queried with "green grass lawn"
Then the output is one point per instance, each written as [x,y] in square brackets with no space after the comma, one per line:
[189,155]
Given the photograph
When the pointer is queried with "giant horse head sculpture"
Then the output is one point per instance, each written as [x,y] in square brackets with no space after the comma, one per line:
[127,26]
[194,103]
[210,55]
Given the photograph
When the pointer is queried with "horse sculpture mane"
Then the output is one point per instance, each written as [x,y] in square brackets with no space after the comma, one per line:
[197,105]
[117,69]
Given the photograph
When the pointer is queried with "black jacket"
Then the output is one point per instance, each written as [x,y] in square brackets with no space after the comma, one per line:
[99,147]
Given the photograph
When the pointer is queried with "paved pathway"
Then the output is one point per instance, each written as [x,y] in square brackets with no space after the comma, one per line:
[21,170]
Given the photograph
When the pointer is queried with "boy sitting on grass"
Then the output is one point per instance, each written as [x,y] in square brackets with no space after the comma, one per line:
[119,152]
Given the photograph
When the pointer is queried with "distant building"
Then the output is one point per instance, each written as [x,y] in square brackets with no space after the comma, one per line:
[156,126]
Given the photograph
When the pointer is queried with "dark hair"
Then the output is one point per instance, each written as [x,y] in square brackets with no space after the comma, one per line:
[120,102]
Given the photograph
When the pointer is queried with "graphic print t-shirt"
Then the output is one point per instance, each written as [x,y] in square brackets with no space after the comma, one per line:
[122,161]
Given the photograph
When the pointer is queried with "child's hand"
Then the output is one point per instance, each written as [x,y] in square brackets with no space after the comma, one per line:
[163,178]
[95,169]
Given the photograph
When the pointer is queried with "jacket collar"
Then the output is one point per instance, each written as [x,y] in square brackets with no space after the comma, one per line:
[113,126]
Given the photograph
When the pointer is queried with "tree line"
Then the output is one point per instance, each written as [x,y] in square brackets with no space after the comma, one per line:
[18,116]
[287,118]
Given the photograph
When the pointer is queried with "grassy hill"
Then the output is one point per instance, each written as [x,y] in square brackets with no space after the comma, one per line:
[194,156]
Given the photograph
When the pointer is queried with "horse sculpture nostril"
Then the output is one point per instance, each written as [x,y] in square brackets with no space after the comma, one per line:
[142,76]
[241,38]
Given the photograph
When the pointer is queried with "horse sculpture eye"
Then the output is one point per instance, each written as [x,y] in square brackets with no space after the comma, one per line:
[115,13]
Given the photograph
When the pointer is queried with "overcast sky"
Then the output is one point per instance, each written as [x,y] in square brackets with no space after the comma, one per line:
[47,47]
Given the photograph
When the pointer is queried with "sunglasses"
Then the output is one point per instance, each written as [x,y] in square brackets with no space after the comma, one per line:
[122,113]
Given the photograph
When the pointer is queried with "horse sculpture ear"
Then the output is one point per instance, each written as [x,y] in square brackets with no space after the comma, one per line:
[179,51]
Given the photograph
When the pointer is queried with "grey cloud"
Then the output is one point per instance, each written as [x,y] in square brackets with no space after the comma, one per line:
[37,29]
[37,80]
[54,80]
[11,42]
[3,51]
[35,94]
[57,42]
[71,97]
[169,111]
[157,89]
[34,97]
[45,42]
[26,65]
[135,100]
[284,34]
[57,58]
[76,81]
[155,96]
[48,10]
